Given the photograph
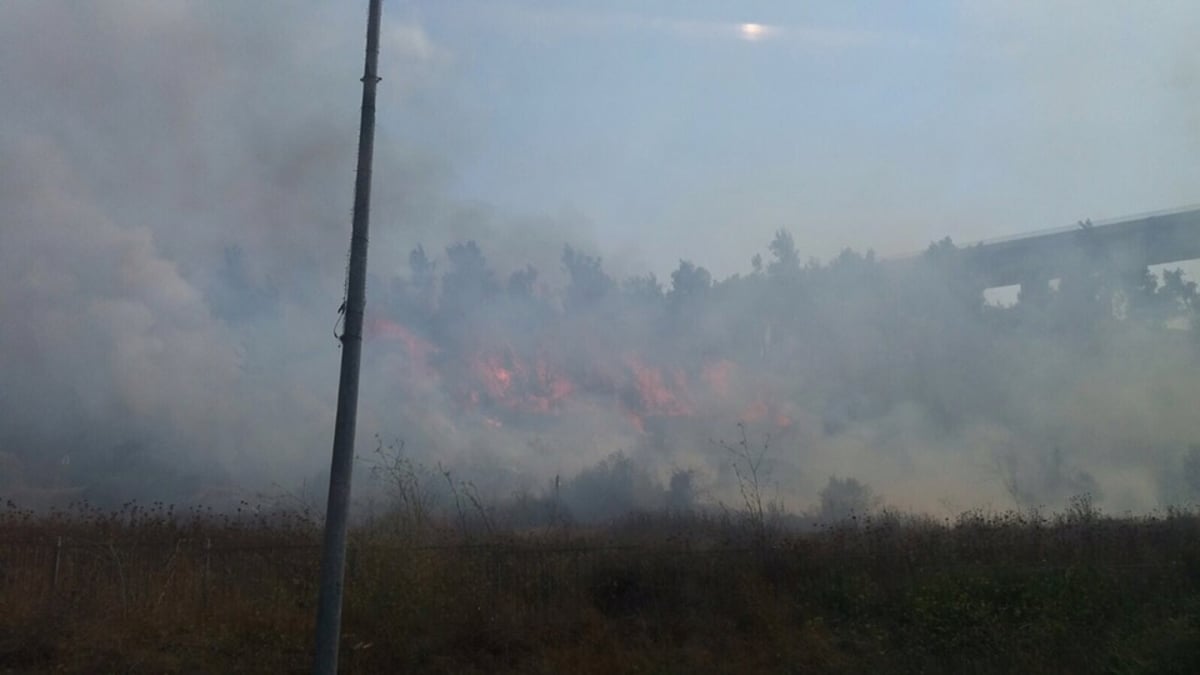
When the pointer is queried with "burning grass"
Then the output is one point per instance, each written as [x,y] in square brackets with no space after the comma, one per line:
[152,590]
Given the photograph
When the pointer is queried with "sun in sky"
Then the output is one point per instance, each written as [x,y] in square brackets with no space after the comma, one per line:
[752,31]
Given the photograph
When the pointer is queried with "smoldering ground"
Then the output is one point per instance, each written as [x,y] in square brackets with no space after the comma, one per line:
[174,210]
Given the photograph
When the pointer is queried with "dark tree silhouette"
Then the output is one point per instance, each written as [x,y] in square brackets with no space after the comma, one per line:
[588,283]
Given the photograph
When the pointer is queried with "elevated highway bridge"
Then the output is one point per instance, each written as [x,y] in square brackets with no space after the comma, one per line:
[1130,243]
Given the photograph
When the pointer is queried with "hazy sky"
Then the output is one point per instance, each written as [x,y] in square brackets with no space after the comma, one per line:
[673,131]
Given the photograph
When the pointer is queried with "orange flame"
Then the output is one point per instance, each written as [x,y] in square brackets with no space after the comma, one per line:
[503,380]
[656,396]
[509,382]
[418,349]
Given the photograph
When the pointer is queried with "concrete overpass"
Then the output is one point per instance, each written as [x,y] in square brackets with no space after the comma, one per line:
[1127,243]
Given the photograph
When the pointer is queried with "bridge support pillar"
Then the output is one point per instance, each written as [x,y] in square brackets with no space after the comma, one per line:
[1035,288]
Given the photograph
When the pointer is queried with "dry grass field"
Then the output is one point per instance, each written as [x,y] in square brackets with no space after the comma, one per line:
[149,590]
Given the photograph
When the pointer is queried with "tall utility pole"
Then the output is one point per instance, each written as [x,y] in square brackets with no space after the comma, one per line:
[333,554]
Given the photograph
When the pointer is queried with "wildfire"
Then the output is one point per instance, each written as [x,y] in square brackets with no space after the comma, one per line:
[501,381]
[495,377]
[656,395]
[418,350]
[512,383]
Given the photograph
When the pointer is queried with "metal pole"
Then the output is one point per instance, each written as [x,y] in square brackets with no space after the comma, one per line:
[333,554]
[58,547]
[205,580]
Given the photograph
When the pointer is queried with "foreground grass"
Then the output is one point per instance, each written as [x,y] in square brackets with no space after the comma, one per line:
[155,592]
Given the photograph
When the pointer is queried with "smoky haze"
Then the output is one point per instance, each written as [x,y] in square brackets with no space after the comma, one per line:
[174,215]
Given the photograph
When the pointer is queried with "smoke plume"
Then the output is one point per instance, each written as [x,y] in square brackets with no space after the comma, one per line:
[174,211]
